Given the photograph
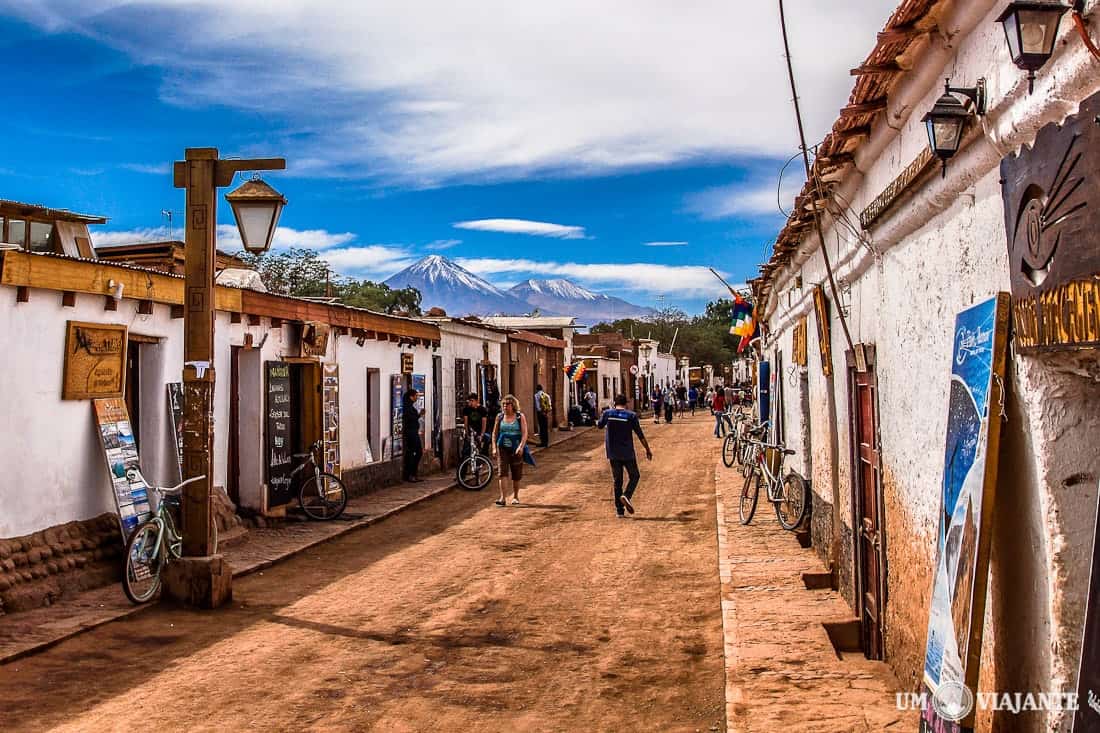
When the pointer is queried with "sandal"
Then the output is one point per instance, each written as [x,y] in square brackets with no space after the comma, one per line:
[499,502]
[515,502]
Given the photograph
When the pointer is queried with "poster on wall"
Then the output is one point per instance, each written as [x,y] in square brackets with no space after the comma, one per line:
[278,462]
[175,421]
[116,436]
[953,651]
[1087,717]
[397,399]
[330,411]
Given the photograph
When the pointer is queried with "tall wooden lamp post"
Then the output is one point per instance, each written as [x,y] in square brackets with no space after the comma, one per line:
[202,579]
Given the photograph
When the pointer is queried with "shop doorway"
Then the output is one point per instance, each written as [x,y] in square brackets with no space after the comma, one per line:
[870,545]
[374,416]
[133,388]
[293,422]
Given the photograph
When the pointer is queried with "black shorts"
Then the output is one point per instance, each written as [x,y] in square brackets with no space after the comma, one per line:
[508,461]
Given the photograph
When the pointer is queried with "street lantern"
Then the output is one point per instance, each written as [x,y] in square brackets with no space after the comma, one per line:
[256,207]
[1031,27]
[947,120]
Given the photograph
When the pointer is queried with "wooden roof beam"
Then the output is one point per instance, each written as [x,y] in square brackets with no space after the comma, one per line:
[891,67]
[903,33]
[863,108]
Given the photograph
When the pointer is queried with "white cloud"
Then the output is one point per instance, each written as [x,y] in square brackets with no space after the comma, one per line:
[429,91]
[229,238]
[523,226]
[441,244]
[158,169]
[686,280]
[664,244]
[760,197]
[376,261]
[129,236]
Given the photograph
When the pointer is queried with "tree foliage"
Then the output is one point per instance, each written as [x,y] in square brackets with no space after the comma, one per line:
[704,338]
[305,274]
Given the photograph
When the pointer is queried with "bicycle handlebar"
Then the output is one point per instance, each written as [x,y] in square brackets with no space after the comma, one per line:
[174,489]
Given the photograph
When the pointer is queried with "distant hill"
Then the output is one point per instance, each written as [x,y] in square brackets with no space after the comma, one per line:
[568,298]
[443,283]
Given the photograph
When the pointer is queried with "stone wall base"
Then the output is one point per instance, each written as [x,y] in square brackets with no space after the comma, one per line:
[43,567]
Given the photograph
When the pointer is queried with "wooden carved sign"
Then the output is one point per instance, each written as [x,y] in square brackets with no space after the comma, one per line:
[95,356]
[1052,218]
[798,348]
[315,339]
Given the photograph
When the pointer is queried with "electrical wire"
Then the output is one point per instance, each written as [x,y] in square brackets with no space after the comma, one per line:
[779,186]
[1083,30]
[810,177]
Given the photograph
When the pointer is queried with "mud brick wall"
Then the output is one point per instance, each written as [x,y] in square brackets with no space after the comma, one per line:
[41,568]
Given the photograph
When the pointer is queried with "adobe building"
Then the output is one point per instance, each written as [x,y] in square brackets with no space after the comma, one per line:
[535,359]
[914,243]
[289,371]
[617,348]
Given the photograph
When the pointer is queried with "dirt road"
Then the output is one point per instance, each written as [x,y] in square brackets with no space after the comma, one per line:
[455,616]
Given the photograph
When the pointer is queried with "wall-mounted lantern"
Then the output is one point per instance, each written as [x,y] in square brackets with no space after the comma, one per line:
[948,118]
[1031,28]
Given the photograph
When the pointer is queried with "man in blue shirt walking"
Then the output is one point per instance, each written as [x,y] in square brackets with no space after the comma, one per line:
[622,425]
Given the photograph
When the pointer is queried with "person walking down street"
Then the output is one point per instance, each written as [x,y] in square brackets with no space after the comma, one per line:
[718,407]
[655,398]
[411,437]
[509,439]
[668,398]
[693,399]
[621,426]
[544,408]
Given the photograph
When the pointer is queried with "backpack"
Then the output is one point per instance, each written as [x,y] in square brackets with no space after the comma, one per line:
[544,402]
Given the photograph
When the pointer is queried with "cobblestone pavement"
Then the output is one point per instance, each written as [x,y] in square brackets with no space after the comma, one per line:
[782,672]
[455,615]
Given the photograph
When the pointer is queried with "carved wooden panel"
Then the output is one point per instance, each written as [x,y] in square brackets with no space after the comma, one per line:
[1052,220]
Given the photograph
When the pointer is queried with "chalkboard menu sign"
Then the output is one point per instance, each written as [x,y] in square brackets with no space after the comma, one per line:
[277,436]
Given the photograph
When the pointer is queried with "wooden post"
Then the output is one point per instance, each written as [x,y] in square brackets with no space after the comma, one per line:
[198,349]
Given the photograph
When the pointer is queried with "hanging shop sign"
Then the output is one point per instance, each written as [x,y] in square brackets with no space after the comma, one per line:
[954,646]
[824,334]
[278,461]
[315,338]
[798,347]
[407,363]
[95,359]
[175,419]
[397,405]
[896,189]
[1087,717]
[330,412]
[116,436]
[1052,220]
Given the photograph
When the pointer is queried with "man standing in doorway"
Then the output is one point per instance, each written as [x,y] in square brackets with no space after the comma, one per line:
[410,436]
[622,425]
[544,407]
[476,419]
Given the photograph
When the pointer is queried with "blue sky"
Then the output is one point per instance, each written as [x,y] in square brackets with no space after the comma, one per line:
[496,133]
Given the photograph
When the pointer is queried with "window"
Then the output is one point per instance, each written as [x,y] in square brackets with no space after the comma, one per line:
[40,237]
[17,231]
[462,384]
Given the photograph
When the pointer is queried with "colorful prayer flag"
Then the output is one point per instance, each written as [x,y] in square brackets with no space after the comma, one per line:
[576,372]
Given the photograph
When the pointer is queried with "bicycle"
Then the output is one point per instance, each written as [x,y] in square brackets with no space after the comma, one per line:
[154,543]
[322,495]
[790,495]
[476,470]
[732,444]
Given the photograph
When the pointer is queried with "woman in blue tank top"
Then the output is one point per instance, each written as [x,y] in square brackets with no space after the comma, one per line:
[509,438]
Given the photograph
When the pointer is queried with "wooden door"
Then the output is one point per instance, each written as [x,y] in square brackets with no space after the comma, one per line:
[870,555]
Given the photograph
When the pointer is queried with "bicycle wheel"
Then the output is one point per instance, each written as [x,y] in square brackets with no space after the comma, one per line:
[475,473]
[323,497]
[790,510]
[748,460]
[144,561]
[750,494]
[729,450]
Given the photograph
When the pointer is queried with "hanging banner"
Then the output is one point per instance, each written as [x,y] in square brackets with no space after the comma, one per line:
[116,436]
[1087,717]
[953,651]
[824,332]
[175,421]
[330,410]
[278,461]
[397,402]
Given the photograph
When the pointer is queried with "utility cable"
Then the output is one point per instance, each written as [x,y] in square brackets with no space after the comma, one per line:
[810,177]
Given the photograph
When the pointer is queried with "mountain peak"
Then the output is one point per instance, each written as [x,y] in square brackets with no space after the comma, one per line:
[447,284]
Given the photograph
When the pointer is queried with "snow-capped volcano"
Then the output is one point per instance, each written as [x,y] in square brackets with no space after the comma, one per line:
[566,297]
[455,289]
